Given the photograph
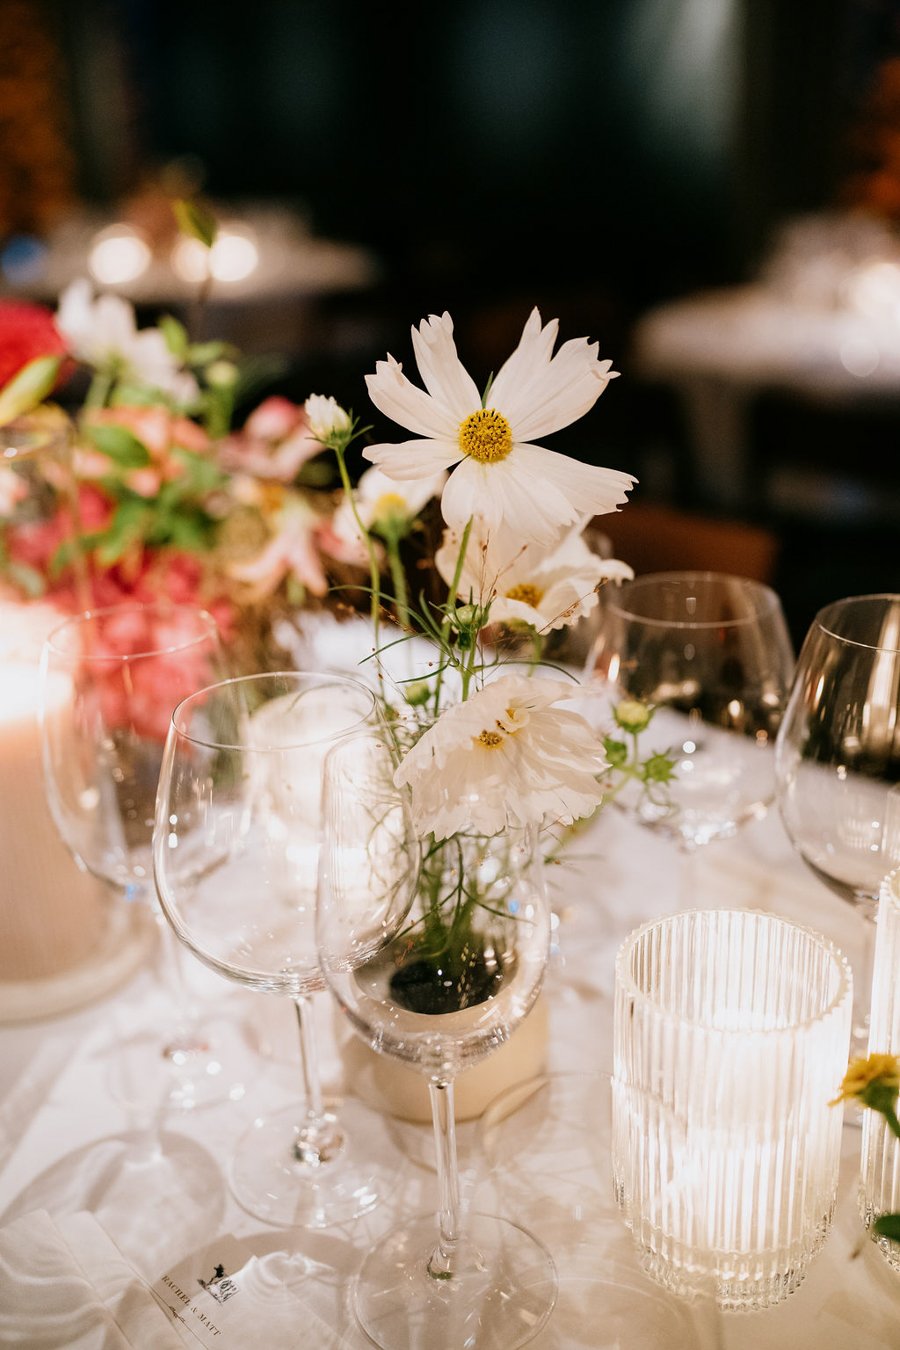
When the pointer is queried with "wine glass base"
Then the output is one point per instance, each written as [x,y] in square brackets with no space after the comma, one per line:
[500,1295]
[182,1073]
[270,1181]
[552,1136]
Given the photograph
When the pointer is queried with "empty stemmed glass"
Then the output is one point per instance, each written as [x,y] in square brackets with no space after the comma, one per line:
[109,681]
[838,757]
[439,999]
[710,656]
[235,857]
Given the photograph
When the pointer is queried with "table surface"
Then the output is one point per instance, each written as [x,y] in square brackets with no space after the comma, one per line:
[752,336]
[66,1146]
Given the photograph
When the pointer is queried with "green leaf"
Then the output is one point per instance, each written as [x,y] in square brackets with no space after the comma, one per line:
[196,221]
[201,474]
[616,751]
[127,527]
[658,768]
[888,1225]
[119,445]
[27,578]
[204,353]
[28,388]
[175,335]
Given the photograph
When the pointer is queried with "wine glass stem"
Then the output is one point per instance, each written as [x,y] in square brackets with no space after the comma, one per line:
[185,1035]
[320,1138]
[442,1261]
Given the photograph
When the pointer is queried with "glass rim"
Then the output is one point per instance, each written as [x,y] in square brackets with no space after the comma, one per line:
[322,677]
[890,887]
[768,598]
[826,616]
[160,607]
[625,981]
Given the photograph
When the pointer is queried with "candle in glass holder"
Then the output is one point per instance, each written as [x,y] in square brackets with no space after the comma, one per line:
[738,1024]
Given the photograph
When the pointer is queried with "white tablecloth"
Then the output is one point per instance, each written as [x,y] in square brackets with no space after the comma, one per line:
[66,1147]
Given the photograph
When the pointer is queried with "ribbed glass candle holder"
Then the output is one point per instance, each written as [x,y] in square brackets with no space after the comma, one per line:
[739,1023]
[880,1172]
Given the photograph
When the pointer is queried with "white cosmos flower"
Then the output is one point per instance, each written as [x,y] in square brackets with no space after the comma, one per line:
[383,504]
[326,417]
[499,476]
[103,333]
[506,756]
[524,583]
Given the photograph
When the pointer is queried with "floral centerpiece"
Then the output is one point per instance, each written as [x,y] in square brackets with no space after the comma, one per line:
[489,751]
[252,522]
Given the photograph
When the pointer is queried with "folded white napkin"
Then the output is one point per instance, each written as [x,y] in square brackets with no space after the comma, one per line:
[65,1283]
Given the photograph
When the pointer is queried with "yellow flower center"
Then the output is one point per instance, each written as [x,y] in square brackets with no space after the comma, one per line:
[389,501]
[490,739]
[527,592]
[486,436]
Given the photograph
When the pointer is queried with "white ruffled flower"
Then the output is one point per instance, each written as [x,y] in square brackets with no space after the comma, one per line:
[384,505]
[546,588]
[326,417]
[506,756]
[499,475]
[102,333]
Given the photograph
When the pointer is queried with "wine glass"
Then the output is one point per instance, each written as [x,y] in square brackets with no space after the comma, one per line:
[710,655]
[235,858]
[837,756]
[109,680]
[436,973]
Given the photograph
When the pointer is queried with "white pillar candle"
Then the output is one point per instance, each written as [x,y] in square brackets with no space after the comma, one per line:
[52,916]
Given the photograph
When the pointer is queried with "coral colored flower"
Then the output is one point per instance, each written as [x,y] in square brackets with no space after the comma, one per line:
[499,475]
[291,552]
[525,583]
[506,756]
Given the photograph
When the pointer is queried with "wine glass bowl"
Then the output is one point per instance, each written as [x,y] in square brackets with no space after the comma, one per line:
[447,966]
[838,750]
[109,680]
[708,655]
[236,851]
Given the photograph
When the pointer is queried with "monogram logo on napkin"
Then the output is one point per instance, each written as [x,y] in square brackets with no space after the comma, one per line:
[221,1287]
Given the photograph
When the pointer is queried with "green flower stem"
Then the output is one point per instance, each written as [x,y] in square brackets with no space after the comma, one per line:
[99,390]
[893,1123]
[398,577]
[374,575]
[451,601]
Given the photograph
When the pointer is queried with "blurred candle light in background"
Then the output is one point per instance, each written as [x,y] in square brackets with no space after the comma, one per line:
[118,254]
[233,257]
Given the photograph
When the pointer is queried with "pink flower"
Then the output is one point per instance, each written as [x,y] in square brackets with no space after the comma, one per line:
[274,419]
[274,444]
[290,552]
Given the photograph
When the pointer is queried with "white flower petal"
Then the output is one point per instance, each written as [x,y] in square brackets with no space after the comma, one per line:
[402,401]
[544,766]
[526,364]
[412,460]
[502,494]
[445,377]
[587,487]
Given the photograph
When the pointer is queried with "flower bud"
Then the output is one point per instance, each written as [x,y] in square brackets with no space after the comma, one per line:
[632,715]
